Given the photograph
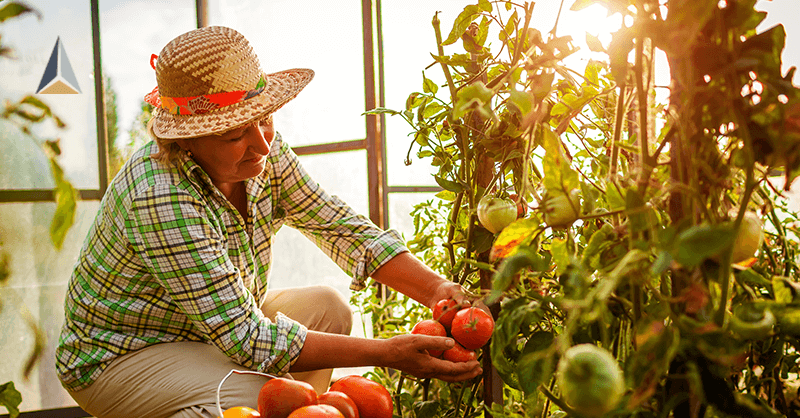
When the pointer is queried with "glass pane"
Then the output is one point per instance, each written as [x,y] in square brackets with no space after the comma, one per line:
[298,262]
[325,37]
[400,207]
[63,36]
[131,31]
[38,283]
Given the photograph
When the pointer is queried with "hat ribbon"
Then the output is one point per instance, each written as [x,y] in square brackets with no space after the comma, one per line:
[196,105]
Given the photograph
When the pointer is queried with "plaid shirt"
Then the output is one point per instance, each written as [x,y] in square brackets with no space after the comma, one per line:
[168,258]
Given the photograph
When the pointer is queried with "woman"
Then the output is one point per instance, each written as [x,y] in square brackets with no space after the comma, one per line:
[170,291]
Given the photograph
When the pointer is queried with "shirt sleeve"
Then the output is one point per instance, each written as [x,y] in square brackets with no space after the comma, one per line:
[186,251]
[351,240]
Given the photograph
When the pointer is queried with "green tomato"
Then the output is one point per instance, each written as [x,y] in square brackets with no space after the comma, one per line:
[590,380]
[752,323]
[496,213]
[562,211]
[749,238]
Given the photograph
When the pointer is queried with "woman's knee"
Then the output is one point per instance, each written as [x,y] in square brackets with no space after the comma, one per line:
[337,312]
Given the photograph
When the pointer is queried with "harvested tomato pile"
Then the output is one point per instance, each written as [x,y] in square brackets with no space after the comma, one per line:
[349,397]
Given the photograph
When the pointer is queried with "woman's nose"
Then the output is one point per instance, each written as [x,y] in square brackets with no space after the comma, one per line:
[259,140]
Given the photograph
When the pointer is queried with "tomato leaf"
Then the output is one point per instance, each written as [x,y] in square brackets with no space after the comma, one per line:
[700,242]
[10,398]
[519,233]
[559,177]
[594,43]
[464,19]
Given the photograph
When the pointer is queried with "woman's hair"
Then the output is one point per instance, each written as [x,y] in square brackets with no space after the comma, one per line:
[168,149]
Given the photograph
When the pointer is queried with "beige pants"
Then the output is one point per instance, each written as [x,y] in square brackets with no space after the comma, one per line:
[180,379]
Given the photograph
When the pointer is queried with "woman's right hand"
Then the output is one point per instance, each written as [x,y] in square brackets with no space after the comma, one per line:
[408,353]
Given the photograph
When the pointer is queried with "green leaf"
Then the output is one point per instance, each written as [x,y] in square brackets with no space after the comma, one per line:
[473,97]
[637,211]
[597,242]
[464,19]
[522,100]
[700,242]
[14,9]
[448,185]
[66,203]
[559,177]
[427,409]
[781,290]
[594,43]
[428,86]
[534,369]
[380,110]
[510,266]
[618,50]
[561,255]
[10,398]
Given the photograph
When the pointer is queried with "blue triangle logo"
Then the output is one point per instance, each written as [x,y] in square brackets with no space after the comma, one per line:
[58,77]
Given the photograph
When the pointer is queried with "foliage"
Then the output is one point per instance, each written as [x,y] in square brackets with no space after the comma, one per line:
[26,113]
[645,272]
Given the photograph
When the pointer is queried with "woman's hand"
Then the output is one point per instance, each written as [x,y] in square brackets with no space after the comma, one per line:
[408,353]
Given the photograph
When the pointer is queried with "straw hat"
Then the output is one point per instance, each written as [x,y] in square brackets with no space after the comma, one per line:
[210,82]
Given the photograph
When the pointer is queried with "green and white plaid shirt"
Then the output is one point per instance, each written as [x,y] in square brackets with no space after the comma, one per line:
[168,258]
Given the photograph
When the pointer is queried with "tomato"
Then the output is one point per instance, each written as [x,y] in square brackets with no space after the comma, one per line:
[472,327]
[371,398]
[459,354]
[280,396]
[444,311]
[522,205]
[590,380]
[562,211]
[240,412]
[496,213]
[316,411]
[749,238]
[752,323]
[430,327]
[340,401]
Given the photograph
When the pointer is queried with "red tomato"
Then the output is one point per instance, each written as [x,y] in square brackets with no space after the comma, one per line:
[371,398]
[472,327]
[340,401]
[430,327]
[316,411]
[459,354]
[522,206]
[280,396]
[444,311]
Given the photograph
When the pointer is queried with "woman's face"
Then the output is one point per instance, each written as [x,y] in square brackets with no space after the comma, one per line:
[235,155]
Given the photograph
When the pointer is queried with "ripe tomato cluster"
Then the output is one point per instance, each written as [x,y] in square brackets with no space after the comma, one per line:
[470,327]
[349,397]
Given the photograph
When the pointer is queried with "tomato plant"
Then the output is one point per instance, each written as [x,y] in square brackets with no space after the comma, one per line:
[340,401]
[472,327]
[430,327]
[372,399]
[660,235]
[280,396]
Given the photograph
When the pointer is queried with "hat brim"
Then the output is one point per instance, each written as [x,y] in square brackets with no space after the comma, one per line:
[281,87]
